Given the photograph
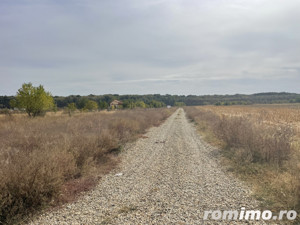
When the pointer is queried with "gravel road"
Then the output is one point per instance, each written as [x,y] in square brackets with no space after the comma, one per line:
[168,177]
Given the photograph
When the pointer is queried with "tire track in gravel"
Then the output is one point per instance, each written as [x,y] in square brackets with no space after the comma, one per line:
[171,177]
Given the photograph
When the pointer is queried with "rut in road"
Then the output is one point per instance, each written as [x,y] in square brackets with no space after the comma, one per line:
[171,177]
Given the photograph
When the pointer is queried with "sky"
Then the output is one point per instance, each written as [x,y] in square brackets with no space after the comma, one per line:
[150,46]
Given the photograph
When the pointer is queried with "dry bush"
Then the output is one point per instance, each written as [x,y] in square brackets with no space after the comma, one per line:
[41,158]
[259,142]
[263,152]
[32,179]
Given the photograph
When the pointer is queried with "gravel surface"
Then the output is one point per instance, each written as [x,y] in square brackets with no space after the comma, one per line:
[168,177]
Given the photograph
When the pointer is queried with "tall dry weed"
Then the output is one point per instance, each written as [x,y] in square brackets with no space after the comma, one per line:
[264,152]
[40,157]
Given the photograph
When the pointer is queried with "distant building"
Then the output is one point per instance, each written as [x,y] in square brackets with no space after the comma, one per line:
[115,104]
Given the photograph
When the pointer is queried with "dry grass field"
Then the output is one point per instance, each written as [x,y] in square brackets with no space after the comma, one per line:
[287,114]
[261,144]
[48,160]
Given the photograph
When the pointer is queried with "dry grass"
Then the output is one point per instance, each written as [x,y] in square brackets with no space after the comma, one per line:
[51,159]
[260,144]
[287,114]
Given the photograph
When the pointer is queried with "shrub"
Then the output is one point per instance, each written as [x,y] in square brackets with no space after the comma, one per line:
[258,141]
[259,150]
[90,105]
[40,157]
[71,108]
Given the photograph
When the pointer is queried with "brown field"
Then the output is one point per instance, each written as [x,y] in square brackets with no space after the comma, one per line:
[260,144]
[288,114]
[49,160]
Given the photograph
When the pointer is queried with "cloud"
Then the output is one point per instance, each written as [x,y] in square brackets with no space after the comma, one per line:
[141,46]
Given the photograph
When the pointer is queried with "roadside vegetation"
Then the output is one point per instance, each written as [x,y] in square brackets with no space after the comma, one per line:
[48,160]
[260,144]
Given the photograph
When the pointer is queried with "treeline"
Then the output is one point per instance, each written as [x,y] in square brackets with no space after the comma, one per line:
[128,101]
[103,101]
[157,100]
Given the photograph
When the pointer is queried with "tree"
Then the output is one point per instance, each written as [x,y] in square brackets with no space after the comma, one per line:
[55,109]
[103,105]
[13,103]
[91,105]
[179,104]
[71,108]
[35,100]
[156,104]
[82,102]
[128,104]
[140,104]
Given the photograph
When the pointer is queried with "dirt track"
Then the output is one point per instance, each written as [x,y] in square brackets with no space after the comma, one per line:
[170,177]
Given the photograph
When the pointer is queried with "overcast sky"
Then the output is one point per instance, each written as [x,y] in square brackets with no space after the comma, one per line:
[150,46]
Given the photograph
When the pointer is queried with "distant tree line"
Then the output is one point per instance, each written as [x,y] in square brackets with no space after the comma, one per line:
[92,102]
[157,100]
[35,101]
